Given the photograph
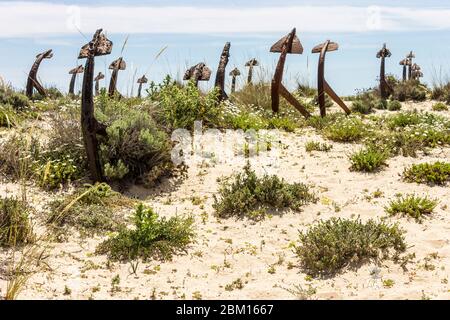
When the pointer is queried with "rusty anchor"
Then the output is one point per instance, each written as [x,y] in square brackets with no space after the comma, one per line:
[141,81]
[322,85]
[251,64]
[220,77]
[416,72]
[98,46]
[385,89]
[115,66]
[199,72]
[97,79]
[74,73]
[233,74]
[289,44]
[410,58]
[32,81]
[404,63]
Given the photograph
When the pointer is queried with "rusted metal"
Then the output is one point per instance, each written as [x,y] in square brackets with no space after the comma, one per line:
[97,79]
[289,44]
[220,77]
[405,63]
[410,57]
[32,81]
[385,89]
[199,72]
[98,46]
[416,72]
[233,74]
[74,73]
[115,66]
[322,85]
[141,81]
[251,64]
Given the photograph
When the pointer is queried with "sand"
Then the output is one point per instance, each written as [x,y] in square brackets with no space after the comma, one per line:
[259,253]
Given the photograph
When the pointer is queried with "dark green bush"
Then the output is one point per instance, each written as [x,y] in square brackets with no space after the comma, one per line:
[15,224]
[429,173]
[151,237]
[250,196]
[331,245]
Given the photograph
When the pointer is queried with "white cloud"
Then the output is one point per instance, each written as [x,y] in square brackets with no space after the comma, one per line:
[25,19]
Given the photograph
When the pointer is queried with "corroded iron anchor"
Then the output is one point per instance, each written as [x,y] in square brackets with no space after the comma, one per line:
[115,66]
[289,44]
[141,81]
[220,77]
[251,64]
[199,72]
[385,88]
[97,79]
[98,46]
[233,74]
[32,81]
[74,73]
[322,85]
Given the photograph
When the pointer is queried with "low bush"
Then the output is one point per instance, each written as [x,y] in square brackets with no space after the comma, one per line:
[90,210]
[437,173]
[15,224]
[9,97]
[412,206]
[317,146]
[439,107]
[151,237]
[180,106]
[368,160]
[250,196]
[331,245]
[410,90]
[345,130]
[394,105]
[135,147]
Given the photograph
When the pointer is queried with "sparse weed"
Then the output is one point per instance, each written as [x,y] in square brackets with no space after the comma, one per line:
[412,206]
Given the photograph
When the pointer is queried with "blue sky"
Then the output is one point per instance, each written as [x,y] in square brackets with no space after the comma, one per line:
[196,31]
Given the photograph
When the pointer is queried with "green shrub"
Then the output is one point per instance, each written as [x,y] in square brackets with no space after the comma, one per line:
[8,117]
[362,107]
[91,210]
[411,205]
[368,160]
[429,173]
[441,92]
[250,196]
[15,225]
[52,93]
[394,105]
[331,245]
[180,106]
[440,107]
[55,173]
[345,130]
[381,104]
[410,90]
[151,237]
[317,146]
[135,147]
[17,101]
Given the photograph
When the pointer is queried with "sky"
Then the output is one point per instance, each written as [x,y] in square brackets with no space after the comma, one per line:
[196,31]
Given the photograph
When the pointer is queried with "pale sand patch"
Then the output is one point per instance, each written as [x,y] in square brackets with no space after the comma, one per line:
[226,250]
